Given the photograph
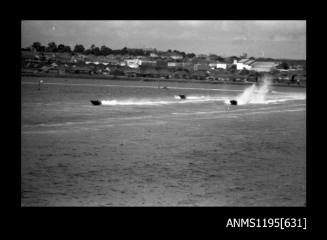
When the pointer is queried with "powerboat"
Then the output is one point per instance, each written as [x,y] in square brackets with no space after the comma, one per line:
[96,102]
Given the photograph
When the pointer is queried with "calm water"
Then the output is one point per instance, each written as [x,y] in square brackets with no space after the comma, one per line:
[145,147]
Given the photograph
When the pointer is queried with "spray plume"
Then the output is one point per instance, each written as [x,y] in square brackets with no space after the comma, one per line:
[254,94]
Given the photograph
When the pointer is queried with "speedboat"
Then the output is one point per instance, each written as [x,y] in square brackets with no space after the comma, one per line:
[96,102]
[182,97]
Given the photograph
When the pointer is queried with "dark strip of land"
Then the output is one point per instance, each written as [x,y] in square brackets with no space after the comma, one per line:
[126,78]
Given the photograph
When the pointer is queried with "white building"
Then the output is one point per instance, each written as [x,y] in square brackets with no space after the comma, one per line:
[133,63]
[221,65]
[212,65]
[153,55]
[264,66]
[176,56]
[218,65]
[147,62]
[244,64]
[171,64]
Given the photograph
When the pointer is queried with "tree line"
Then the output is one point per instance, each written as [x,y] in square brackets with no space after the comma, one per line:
[98,51]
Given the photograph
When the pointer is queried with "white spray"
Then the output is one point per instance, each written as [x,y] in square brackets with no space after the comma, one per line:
[254,94]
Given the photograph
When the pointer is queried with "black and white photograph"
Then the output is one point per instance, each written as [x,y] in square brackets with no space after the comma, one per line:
[163,113]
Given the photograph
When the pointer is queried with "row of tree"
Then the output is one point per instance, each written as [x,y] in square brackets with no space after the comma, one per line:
[52,47]
[98,51]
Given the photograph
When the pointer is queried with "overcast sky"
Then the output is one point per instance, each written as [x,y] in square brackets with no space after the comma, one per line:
[276,39]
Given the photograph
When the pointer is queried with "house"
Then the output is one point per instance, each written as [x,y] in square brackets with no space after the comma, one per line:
[63,57]
[145,62]
[201,66]
[187,66]
[133,63]
[212,65]
[95,63]
[244,63]
[176,64]
[48,56]
[110,56]
[73,59]
[176,56]
[153,54]
[221,65]
[162,64]
[264,66]
[180,65]
[218,65]
[81,69]
[30,58]
[172,64]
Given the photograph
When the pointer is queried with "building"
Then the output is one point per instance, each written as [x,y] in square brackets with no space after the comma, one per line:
[212,65]
[180,65]
[244,64]
[153,55]
[145,62]
[221,65]
[162,64]
[201,66]
[218,65]
[133,63]
[176,56]
[77,58]
[172,64]
[264,66]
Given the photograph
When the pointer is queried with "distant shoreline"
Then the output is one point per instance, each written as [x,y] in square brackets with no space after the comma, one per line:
[147,79]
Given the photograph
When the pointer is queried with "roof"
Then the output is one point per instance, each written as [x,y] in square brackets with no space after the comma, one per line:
[264,64]
[243,60]
[246,61]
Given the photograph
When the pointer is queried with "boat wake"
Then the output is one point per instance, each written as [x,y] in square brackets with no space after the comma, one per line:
[261,94]
[162,101]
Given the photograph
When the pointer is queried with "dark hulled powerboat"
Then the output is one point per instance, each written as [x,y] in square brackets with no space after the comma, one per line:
[96,102]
